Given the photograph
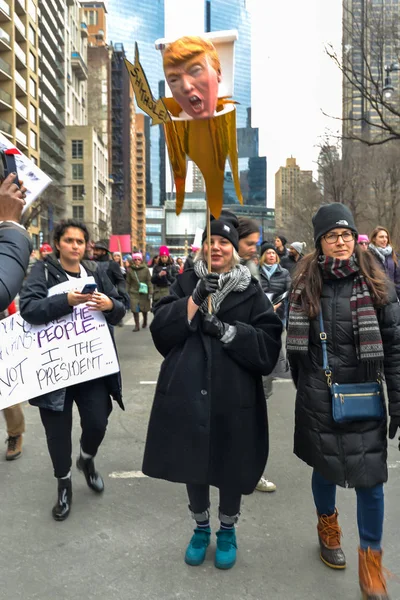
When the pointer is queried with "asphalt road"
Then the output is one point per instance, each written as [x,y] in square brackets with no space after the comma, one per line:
[129,543]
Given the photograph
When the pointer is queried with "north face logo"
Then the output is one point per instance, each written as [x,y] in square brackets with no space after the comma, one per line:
[341,222]
[226,228]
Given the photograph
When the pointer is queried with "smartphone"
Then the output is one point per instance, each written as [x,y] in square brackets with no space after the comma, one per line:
[8,165]
[89,288]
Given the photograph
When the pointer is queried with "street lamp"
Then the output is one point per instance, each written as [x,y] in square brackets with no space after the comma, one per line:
[388,89]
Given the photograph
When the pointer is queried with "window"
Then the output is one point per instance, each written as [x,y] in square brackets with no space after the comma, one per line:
[33,139]
[35,222]
[32,62]
[154,240]
[78,212]
[32,113]
[32,10]
[154,213]
[92,17]
[32,87]
[153,228]
[35,241]
[32,35]
[77,148]
[77,171]
[78,192]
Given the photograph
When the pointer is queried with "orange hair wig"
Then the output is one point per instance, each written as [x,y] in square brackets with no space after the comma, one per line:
[189,47]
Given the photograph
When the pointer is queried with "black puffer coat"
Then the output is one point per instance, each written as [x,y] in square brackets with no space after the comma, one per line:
[278,283]
[352,454]
[208,424]
[38,308]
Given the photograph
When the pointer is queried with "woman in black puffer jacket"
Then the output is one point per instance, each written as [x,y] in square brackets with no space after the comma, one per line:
[362,322]
[274,279]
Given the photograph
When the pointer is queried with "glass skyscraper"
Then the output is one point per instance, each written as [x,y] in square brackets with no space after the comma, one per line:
[142,21]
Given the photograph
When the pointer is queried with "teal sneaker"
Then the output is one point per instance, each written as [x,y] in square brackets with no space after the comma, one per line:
[196,551]
[225,555]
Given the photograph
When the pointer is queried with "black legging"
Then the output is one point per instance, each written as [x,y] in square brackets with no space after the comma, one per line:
[94,405]
[199,499]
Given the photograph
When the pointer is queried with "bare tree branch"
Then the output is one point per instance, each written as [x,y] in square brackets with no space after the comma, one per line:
[371,42]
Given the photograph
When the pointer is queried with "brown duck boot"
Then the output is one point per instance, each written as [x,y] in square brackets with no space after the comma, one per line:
[329,534]
[14,447]
[370,572]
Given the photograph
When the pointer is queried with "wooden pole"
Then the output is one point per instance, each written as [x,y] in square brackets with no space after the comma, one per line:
[209,251]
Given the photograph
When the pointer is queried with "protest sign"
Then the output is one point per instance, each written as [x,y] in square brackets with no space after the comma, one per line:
[32,177]
[36,359]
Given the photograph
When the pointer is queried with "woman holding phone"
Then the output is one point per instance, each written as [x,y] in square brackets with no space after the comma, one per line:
[91,397]
[164,275]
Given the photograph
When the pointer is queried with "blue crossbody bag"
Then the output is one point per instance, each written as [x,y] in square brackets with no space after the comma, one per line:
[352,401]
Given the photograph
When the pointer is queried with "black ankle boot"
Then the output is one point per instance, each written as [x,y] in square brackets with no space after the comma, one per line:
[62,507]
[93,478]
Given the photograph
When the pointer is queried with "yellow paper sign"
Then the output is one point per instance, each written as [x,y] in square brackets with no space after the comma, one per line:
[145,100]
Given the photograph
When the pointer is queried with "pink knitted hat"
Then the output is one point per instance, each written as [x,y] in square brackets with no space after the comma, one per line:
[164,251]
[363,238]
[137,256]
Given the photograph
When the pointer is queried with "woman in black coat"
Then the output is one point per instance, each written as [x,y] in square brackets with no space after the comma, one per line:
[208,424]
[164,275]
[274,279]
[361,318]
[92,397]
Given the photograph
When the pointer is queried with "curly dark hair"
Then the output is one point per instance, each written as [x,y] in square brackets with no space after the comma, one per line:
[308,272]
[61,228]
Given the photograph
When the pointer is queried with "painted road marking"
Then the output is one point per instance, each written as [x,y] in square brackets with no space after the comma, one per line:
[148,382]
[127,475]
[395,465]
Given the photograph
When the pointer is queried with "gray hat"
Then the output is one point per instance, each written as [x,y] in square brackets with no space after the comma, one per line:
[101,245]
[299,247]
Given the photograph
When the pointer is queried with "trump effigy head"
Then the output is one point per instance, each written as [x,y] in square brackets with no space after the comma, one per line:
[193,71]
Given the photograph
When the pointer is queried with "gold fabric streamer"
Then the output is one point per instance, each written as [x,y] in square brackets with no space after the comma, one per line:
[208,143]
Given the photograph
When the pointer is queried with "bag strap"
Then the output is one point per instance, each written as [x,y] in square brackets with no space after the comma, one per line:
[323,338]
[137,278]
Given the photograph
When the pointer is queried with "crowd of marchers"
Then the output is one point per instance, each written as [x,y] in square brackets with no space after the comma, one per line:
[330,317]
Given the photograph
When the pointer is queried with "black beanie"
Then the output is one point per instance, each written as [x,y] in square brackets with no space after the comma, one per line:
[266,246]
[282,238]
[226,226]
[330,216]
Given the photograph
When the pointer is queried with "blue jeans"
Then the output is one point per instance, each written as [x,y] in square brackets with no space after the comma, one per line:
[370,508]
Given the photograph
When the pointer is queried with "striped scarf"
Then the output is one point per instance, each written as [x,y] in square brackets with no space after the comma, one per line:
[236,280]
[367,335]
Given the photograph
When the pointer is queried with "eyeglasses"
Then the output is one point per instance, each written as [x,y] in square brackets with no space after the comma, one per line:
[332,238]
[363,243]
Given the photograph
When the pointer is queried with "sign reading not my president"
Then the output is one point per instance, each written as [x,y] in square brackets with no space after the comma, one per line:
[36,359]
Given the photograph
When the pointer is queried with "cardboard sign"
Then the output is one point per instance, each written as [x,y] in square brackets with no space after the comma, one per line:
[32,177]
[120,243]
[37,359]
[156,109]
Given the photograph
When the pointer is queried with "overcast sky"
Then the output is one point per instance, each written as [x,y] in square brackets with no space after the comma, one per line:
[293,79]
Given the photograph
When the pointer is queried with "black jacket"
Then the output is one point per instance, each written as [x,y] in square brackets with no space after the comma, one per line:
[165,280]
[352,454]
[208,424]
[289,263]
[279,283]
[15,250]
[114,273]
[37,308]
